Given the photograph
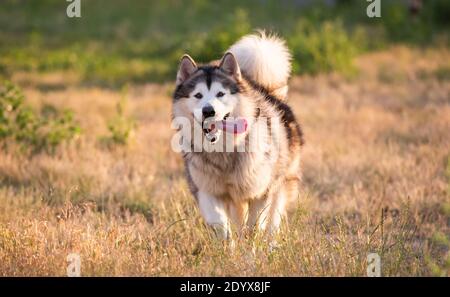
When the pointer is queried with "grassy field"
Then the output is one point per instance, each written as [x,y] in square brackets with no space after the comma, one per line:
[376,164]
[376,179]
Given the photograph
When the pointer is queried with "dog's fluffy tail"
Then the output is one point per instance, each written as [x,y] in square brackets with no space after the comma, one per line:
[266,60]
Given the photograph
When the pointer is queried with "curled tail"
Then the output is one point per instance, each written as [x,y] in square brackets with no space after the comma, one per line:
[266,60]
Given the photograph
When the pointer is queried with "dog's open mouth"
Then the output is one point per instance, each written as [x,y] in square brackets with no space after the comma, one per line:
[212,128]
[211,134]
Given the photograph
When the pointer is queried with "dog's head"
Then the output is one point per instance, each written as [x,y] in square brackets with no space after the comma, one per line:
[209,94]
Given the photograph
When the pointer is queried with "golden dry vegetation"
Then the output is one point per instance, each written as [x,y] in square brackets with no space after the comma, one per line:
[376,179]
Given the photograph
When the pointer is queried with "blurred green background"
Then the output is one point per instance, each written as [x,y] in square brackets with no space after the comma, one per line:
[120,41]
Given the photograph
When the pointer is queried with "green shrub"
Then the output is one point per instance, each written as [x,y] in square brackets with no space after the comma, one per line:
[322,48]
[37,132]
[401,26]
[120,126]
[211,45]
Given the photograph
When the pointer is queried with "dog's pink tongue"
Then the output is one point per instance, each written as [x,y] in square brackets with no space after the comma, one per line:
[236,126]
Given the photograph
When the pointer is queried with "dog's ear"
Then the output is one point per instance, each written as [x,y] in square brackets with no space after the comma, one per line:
[230,65]
[187,67]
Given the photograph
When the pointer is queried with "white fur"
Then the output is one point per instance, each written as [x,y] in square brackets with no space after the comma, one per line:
[265,59]
[266,214]
[214,212]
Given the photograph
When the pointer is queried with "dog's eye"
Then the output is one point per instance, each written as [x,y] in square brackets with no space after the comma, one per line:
[198,96]
[220,94]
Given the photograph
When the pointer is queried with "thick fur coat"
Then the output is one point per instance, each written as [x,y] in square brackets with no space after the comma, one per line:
[244,178]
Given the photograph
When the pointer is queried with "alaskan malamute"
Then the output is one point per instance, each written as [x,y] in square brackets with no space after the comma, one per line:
[241,141]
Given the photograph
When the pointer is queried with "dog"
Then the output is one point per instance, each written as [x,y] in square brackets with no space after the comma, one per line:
[250,183]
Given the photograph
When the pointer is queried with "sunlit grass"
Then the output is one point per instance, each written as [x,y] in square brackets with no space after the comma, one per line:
[375,179]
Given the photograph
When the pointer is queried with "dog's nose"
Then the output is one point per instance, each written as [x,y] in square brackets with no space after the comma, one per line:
[208,111]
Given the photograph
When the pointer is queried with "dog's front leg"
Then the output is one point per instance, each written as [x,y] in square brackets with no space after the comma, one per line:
[266,214]
[214,213]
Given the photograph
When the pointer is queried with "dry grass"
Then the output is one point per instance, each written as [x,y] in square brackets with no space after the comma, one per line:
[376,179]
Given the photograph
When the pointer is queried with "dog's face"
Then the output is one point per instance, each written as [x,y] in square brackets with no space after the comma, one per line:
[208,94]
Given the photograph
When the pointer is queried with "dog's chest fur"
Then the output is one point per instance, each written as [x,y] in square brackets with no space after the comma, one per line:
[235,176]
